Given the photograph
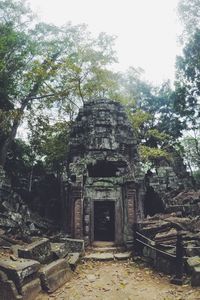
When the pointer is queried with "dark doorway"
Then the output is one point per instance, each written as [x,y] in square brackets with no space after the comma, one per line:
[104,221]
[152,203]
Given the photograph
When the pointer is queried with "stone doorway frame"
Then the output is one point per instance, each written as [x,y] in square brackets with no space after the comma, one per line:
[118,221]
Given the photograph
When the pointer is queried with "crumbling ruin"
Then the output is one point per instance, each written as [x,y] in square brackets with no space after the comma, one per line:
[104,195]
[106,198]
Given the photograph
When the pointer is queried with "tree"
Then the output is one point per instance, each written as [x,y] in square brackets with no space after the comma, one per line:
[191,151]
[152,114]
[188,81]
[49,142]
[47,66]
[189,14]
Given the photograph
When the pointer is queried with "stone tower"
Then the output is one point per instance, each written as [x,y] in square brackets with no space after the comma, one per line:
[103,195]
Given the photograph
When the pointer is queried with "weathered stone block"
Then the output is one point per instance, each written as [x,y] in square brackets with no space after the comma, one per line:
[40,250]
[195,280]
[73,259]
[54,275]
[74,245]
[193,262]
[57,280]
[8,290]
[59,250]
[31,290]
[20,271]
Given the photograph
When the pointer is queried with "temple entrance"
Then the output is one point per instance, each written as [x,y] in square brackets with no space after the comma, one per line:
[104,220]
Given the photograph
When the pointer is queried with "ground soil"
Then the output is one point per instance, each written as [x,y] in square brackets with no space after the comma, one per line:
[130,280]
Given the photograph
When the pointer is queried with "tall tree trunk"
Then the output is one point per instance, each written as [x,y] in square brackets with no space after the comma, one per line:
[13,131]
[30,97]
[8,141]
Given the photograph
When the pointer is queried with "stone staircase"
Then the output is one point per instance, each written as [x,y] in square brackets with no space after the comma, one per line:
[106,251]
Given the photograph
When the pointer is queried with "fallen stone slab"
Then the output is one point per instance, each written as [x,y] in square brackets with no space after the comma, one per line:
[166,237]
[20,271]
[59,250]
[99,256]
[123,256]
[195,279]
[54,275]
[74,245]
[4,243]
[8,289]
[39,250]
[73,259]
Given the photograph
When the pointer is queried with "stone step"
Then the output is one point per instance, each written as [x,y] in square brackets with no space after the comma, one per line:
[103,244]
[123,255]
[108,249]
[99,256]
[108,256]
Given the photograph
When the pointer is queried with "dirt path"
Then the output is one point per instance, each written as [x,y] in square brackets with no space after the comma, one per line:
[120,281]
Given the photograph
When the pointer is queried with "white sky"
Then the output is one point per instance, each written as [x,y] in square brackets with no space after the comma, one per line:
[146,30]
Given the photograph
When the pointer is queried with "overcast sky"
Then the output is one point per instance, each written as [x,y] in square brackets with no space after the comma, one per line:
[147,30]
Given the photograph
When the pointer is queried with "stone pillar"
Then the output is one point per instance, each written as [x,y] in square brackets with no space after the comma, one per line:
[131,209]
[86,220]
[77,203]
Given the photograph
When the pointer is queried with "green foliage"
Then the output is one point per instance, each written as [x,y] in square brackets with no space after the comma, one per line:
[19,162]
[188,77]
[153,155]
[44,67]
[151,112]
[191,151]
[189,14]
[48,72]
[49,142]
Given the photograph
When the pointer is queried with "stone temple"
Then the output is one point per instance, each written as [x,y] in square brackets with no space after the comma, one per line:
[103,194]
